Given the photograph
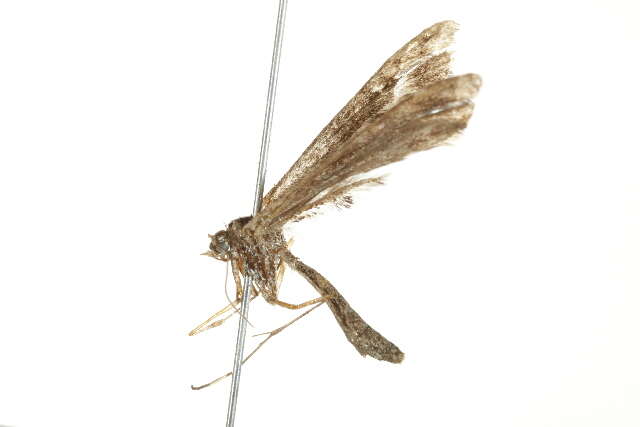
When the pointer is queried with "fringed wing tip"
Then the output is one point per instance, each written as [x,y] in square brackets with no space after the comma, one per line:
[454,89]
[472,82]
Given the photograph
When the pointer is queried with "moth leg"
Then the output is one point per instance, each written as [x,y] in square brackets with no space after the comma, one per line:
[281,268]
[263,342]
[296,306]
[206,325]
[236,279]
[209,323]
[279,276]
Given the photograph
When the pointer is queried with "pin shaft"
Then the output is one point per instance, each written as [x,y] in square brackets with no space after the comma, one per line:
[257,204]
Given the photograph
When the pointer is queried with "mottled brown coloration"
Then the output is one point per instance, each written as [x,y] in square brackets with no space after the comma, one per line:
[410,104]
[363,337]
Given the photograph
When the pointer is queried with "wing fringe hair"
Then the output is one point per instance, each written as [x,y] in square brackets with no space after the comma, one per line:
[339,196]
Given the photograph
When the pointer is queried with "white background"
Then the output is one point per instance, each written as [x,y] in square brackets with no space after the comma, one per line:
[506,266]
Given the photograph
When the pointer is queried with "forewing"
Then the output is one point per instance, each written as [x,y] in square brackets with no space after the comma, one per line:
[417,64]
[421,120]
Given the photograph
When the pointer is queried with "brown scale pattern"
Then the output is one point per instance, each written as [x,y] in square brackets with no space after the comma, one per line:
[410,104]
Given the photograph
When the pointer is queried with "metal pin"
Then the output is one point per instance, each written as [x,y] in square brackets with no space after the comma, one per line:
[257,204]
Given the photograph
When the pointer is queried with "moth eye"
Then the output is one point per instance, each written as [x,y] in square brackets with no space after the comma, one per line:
[222,243]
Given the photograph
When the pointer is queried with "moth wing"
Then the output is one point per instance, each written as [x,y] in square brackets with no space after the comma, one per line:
[422,120]
[414,68]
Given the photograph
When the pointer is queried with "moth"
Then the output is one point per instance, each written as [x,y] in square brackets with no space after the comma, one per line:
[411,104]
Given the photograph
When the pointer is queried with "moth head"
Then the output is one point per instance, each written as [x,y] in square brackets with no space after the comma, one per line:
[219,247]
